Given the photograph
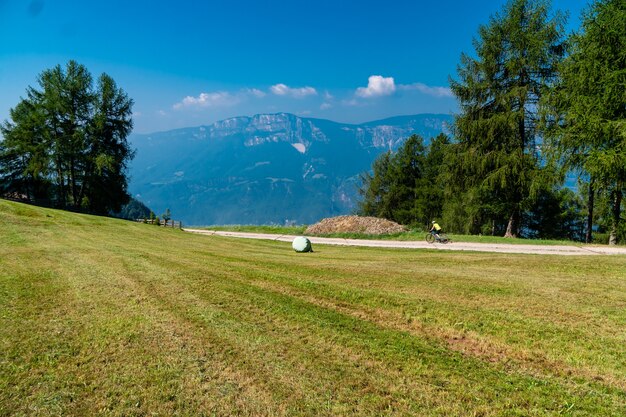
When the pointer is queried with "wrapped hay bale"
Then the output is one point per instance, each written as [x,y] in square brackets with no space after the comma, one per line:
[302,244]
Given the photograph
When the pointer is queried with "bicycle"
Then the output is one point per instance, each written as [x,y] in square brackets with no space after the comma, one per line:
[440,238]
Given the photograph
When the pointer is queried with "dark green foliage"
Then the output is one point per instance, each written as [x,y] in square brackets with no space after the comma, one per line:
[556,214]
[66,142]
[432,186]
[585,115]
[24,154]
[375,189]
[108,151]
[406,177]
[603,217]
[405,186]
[499,90]
[134,210]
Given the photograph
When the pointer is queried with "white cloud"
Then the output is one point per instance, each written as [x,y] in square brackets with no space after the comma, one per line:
[161,113]
[216,99]
[431,91]
[326,106]
[285,90]
[255,92]
[377,86]
[219,99]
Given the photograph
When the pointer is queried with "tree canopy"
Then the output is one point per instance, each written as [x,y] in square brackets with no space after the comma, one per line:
[498,90]
[586,111]
[404,185]
[65,144]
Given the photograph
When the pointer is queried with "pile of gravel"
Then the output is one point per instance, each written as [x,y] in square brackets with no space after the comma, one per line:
[355,224]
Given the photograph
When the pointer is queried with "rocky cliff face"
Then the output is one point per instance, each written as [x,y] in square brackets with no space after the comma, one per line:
[269,168]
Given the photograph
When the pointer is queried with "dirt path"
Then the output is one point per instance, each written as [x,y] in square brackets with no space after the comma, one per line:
[455,246]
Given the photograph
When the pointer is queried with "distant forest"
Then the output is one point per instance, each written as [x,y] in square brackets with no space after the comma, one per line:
[535,107]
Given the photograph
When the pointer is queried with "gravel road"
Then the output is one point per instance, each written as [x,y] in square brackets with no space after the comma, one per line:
[455,246]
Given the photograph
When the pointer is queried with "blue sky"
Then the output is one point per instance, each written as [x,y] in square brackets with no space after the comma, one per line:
[189,63]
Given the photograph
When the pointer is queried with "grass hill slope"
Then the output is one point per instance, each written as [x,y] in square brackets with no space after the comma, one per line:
[107,317]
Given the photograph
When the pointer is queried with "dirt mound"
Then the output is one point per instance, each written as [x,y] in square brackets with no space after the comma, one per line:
[355,224]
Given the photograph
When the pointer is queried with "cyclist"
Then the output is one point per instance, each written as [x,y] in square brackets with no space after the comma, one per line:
[436,229]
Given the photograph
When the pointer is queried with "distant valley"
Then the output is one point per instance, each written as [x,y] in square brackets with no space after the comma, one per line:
[265,169]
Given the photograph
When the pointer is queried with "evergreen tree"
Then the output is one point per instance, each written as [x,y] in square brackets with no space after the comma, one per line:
[555,214]
[405,185]
[407,195]
[24,157]
[586,117]
[65,99]
[134,210]
[107,151]
[167,216]
[434,178]
[498,91]
[67,141]
[375,189]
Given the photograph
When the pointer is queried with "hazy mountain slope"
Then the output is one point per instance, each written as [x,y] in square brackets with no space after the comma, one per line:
[269,168]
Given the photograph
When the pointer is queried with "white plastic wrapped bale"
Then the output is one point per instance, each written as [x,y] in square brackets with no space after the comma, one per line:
[302,244]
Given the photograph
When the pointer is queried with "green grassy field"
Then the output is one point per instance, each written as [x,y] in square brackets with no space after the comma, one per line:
[107,317]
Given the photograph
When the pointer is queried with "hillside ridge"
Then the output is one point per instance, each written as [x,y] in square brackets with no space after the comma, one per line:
[265,169]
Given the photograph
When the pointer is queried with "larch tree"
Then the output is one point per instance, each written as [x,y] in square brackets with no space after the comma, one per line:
[107,151]
[497,153]
[66,142]
[24,155]
[586,112]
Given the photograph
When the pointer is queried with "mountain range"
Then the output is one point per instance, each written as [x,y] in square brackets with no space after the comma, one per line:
[265,169]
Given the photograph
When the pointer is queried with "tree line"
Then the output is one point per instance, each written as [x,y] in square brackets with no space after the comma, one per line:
[65,145]
[536,107]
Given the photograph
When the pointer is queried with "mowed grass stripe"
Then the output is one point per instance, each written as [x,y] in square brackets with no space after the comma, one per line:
[247,312]
[496,333]
[132,353]
[110,317]
[497,325]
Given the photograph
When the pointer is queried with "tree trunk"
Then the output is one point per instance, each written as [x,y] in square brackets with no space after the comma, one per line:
[512,225]
[590,201]
[617,211]
[61,186]
[72,183]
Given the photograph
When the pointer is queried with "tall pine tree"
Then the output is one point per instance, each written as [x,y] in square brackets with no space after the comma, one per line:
[499,90]
[66,142]
[24,154]
[586,117]
[107,150]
